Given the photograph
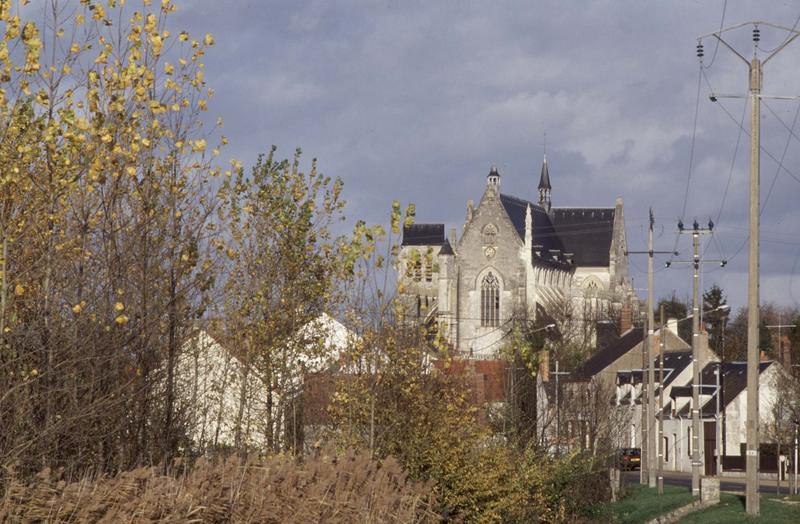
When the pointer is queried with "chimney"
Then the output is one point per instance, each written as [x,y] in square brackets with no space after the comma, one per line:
[453,237]
[672,326]
[625,318]
[544,366]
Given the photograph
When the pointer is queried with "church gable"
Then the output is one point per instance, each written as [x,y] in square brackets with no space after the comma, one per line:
[490,226]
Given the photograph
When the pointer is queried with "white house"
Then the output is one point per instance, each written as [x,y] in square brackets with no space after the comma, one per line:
[225,403]
[732,404]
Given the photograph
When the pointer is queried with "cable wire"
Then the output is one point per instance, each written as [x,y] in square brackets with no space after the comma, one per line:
[768,51]
[779,162]
[721,24]
[730,177]
[691,156]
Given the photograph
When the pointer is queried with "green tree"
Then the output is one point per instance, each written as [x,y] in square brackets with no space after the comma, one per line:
[283,272]
[765,339]
[713,299]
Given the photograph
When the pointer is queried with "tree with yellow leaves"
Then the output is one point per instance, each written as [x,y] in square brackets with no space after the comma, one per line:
[106,218]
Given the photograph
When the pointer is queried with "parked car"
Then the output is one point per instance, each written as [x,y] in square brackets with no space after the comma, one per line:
[630,458]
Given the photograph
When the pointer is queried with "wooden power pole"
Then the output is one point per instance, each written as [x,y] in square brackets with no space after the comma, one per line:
[697,451]
[650,463]
[755,66]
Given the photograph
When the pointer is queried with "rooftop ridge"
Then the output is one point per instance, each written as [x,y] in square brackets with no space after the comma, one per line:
[583,207]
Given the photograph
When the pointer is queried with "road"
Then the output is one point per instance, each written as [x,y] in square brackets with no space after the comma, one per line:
[735,485]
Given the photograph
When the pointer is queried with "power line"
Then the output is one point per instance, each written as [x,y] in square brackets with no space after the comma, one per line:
[721,23]
[761,148]
[691,153]
[777,172]
[730,177]
[768,51]
[742,130]
[691,150]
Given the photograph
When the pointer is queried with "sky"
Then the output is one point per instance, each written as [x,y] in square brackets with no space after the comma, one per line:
[416,100]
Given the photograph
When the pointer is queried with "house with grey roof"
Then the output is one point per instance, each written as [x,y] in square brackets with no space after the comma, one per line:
[513,259]
[617,371]
[723,401]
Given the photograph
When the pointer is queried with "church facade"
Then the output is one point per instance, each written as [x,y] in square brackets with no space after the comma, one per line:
[514,260]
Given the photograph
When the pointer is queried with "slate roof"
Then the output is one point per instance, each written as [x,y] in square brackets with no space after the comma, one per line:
[674,363]
[605,357]
[585,232]
[734,381]
[423,235]
[545,240]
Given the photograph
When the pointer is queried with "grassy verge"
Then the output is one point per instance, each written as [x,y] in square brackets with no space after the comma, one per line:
[731,509]
[641,504]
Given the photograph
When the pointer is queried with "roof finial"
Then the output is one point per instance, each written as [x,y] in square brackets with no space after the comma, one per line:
[493,179]
[544,180]
[544,146]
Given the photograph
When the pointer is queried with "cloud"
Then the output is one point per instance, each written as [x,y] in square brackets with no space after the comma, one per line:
[415,100]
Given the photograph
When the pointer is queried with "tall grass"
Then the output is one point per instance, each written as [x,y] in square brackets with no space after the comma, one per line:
[348,487]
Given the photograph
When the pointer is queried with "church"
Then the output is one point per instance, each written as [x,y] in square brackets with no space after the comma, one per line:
[514,260]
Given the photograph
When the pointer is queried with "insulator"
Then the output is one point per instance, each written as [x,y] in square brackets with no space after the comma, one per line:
[680,225]
[700,53]
[756,34]
[696,225]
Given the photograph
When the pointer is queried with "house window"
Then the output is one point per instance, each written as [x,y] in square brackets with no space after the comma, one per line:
[665,449]
[490,301]
[689,441]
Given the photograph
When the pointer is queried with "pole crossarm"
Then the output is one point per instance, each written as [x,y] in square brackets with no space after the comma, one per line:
[750,22]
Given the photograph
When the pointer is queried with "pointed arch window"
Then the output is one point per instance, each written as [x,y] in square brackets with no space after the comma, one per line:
[490,301]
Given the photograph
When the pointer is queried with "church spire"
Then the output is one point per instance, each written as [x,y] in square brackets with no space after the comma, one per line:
[544,186]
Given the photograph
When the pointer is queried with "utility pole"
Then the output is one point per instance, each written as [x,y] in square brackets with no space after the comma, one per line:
[649,440]
[755,66]
[662,339]
[697,452]
[721,418]
[644,465]
[651,376]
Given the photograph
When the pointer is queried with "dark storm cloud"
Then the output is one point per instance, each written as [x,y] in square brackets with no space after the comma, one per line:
[415,100]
